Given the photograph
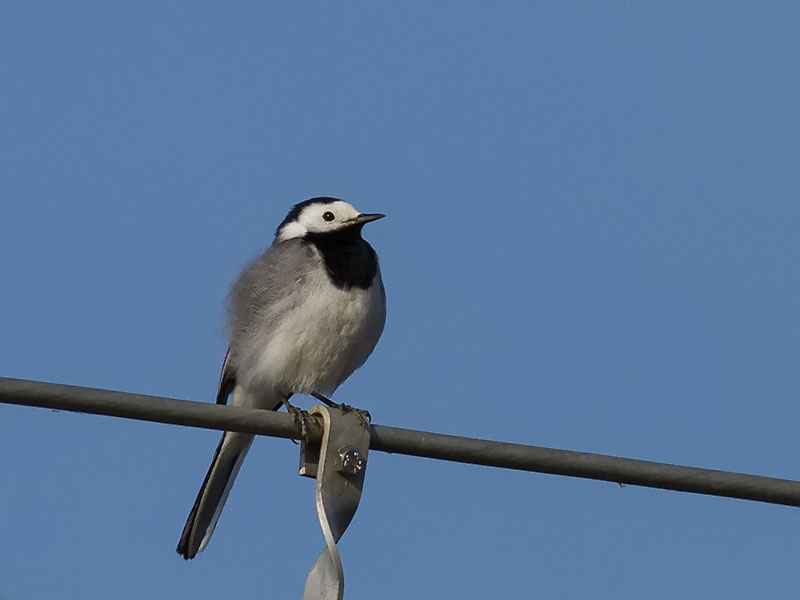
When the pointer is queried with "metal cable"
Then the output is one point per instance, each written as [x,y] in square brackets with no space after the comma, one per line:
[406,441]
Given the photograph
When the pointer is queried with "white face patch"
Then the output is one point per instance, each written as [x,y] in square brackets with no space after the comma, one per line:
[319,218]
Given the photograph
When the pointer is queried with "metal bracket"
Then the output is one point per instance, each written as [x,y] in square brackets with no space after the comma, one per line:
[339,464]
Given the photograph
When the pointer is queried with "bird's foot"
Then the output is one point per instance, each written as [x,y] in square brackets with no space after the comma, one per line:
[300,417]
[364,417]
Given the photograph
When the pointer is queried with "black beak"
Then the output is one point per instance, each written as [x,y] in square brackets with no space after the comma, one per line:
[366,218]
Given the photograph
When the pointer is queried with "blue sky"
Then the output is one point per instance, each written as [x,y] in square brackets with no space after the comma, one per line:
[591,243]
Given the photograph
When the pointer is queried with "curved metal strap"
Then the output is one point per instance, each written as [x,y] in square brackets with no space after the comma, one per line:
[340,470]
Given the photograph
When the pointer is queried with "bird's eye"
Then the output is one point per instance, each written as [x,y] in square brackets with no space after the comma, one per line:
[328,216]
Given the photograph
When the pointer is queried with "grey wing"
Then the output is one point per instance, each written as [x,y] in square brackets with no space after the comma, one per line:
[265,290]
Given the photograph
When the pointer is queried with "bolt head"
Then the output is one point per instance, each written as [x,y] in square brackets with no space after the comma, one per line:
[352,461]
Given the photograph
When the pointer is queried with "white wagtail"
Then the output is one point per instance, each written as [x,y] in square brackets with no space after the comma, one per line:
[302,318]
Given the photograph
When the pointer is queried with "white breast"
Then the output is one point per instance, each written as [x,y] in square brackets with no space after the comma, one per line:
[322,339]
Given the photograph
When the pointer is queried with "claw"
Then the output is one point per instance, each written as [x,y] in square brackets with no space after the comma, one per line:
[300,417]
[364,417]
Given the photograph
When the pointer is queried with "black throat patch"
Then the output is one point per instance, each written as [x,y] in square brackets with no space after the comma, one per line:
[349,259]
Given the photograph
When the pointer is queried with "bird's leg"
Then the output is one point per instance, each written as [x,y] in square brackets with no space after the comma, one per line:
[363,415]
[330,403]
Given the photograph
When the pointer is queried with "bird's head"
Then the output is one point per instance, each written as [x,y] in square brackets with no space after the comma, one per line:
[320,216]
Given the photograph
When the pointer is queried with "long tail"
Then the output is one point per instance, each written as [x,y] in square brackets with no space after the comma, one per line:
[211,498]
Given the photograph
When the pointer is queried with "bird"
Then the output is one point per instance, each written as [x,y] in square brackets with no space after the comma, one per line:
[302,317]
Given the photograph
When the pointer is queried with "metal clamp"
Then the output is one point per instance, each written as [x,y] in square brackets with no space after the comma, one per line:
[339,464]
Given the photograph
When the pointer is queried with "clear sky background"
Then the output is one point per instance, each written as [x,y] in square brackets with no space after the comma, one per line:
[591,243]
